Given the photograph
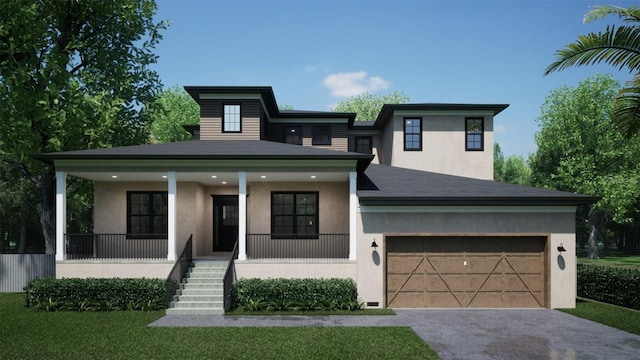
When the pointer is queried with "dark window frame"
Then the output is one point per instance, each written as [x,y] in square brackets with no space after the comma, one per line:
[287,129]
[224,119]
[315,129]
[356,147]
[295,234]
[467,135]
[151,215]
[404,130]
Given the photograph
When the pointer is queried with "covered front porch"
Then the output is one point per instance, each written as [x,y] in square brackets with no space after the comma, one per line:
[219,208]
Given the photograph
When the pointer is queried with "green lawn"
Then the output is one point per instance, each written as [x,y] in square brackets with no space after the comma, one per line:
[25,333]
[615,316]
[613,259]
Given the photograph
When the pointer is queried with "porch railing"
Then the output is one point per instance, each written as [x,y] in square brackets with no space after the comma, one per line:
[179,269]
[116,246]
[230,279]
[279,246]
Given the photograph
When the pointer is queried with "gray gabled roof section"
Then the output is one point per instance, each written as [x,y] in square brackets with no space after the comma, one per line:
[387,185]
[211,150]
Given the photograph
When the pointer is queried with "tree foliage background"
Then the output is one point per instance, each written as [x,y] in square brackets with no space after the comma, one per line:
[367,106]
[73,75]
[581,150]
[168,112]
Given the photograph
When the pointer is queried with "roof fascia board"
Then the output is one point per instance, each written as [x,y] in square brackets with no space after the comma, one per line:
[319,120]
[177,163]
[357,132]
[444,112]
[467,209]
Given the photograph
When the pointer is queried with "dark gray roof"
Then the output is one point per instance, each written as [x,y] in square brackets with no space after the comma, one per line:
[386,185]
[212,149]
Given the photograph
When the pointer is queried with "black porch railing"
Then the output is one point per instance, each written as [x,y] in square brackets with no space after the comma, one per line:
[230,279]
[279,246]
[116,246]
[179,270]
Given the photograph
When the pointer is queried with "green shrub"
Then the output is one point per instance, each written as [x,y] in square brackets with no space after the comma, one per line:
[618,286]
[296,295]
[95,294]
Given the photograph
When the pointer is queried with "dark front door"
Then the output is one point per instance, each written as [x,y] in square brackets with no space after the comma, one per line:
[225,222]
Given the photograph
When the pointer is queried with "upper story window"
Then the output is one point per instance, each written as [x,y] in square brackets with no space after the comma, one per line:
[363,144]
[293,135]
[412,134]
[321,135]
[474,134]
[147,212]
[231,121]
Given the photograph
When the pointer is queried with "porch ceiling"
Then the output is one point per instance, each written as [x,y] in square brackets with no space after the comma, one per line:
[214,178]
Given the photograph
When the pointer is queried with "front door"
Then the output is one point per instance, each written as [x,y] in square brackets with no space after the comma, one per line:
[225,222]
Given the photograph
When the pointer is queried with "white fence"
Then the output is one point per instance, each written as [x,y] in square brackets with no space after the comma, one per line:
[16,270]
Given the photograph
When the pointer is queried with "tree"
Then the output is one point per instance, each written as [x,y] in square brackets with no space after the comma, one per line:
[73,75]
[580,151]
[512,170]
[367,106]
[171,109]
[285,107]
[617,46]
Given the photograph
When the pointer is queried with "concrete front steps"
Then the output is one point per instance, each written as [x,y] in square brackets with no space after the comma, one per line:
[201,291]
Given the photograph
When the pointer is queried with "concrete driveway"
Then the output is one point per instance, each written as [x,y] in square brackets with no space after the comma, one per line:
[478,334]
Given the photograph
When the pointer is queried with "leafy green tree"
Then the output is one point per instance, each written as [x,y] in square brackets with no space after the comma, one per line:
[579,150]
[285,107]
[367,105]
[513,170]
[617,46]
[73,75]
[167,114]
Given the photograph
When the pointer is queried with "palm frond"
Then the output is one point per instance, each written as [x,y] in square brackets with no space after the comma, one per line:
[626,109]
[630,14]
[619,47]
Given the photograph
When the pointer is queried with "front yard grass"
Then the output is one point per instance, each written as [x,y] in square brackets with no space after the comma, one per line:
[614,316]
[614,259]
[30,334]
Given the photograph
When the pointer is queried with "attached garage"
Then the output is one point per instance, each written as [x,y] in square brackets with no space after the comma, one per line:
[466,272]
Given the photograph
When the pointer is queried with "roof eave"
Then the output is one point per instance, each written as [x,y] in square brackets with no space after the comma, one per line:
[478,201]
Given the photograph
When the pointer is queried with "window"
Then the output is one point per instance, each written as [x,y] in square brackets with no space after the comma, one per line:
[293,135]
[294,213]
[412,134]
[147,212]
[363,144]
[231,121]
[474,134]
[321,135]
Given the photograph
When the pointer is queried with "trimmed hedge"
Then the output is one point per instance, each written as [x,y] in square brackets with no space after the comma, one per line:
[617,286]
[296,295]
[95,294]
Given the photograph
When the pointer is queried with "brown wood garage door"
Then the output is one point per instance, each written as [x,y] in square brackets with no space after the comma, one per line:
[461,272]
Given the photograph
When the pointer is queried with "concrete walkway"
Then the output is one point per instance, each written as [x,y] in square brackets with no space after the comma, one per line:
[468,334]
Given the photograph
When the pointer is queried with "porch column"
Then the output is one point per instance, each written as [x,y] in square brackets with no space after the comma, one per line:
[353,204]
[242,215]
[61,214]
[171,216]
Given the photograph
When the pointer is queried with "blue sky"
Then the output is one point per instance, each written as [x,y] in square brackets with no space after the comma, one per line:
[316,53]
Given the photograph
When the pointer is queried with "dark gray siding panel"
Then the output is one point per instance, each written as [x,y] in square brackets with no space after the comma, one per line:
[16,270]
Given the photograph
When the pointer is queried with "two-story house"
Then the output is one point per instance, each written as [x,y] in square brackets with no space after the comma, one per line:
[404,204]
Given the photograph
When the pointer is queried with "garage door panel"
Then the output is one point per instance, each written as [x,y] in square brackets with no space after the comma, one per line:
[446,264]
[407,299]
[528,264]
[405,264]
[522,299]
[463,271]
[482,264]
[444,245]
[441,300]
[524,245]
[487,299]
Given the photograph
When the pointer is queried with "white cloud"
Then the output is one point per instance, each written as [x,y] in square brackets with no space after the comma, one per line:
[500,129]
[353,83]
